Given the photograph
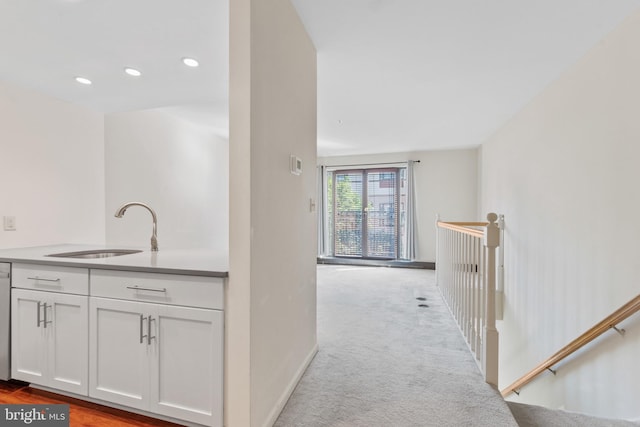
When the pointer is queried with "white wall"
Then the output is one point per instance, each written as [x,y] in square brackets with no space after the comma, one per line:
[179,169]
[446,184]
[271,321]
[51,170]
[565,174]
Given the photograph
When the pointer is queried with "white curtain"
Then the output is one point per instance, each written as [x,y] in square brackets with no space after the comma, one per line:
[410,244]
[321,209]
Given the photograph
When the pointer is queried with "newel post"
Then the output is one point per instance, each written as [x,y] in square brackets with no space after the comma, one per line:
[490,333]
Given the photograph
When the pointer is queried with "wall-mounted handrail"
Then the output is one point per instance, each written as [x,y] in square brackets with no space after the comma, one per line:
[466,276]
[609,322]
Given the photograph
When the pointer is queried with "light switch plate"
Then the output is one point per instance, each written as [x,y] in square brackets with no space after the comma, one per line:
[296,164]
[9,223]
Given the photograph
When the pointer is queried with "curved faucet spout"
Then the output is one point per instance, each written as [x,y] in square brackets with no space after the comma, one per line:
[154,237]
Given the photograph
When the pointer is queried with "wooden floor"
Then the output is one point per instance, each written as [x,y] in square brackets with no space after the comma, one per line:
[81,413]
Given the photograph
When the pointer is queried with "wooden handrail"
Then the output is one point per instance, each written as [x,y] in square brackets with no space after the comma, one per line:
[468,223]
[594,332]
[463,227]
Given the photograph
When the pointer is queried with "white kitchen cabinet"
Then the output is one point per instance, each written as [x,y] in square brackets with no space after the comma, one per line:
[49,339]
[118,352]
[160,357]
[186,371]
[139,332]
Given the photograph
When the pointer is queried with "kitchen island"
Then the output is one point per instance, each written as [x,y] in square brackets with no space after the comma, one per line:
[142,331]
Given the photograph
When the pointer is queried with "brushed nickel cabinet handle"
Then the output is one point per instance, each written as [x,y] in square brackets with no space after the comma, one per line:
[149,337]
[142,336]
[140,288]
[44,308]
[44,279]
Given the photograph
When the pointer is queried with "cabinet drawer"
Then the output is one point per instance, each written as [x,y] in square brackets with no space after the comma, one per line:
[69,280]
[192,291]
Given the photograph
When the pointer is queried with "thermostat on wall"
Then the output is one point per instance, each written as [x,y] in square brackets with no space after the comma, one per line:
[296,165]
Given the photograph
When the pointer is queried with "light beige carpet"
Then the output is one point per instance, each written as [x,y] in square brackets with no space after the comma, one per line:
[538,416]
[385,361]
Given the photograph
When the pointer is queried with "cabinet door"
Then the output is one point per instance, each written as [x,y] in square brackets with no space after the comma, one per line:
[186,377]
[49,339]
[118,352]
[68,342]
[28,339]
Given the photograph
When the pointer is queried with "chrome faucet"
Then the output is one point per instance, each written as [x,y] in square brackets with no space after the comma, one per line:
[154,237]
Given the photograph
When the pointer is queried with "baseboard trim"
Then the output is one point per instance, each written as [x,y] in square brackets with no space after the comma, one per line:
[284,398]
[376,262]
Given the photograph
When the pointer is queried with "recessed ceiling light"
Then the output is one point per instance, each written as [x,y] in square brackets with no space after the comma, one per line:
[190,62]
[83,80]
[132,72]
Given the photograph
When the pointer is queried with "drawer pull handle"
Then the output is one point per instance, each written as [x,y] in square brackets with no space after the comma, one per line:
[44,279]
[139,288]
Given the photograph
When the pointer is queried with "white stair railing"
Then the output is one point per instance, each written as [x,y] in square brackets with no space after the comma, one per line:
[466,276]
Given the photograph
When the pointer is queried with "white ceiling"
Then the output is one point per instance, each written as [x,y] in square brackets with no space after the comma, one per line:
[44,44]
[393,75]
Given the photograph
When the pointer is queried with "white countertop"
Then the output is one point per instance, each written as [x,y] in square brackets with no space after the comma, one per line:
[195,262]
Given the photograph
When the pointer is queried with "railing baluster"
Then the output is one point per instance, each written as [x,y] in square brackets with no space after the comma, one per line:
[467,263]
[467,295]
[483,299]
[454,294]
[474,292]
[478,302]
[463,291]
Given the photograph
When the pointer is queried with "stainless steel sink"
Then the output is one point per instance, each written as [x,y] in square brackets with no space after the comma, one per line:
[96,253]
